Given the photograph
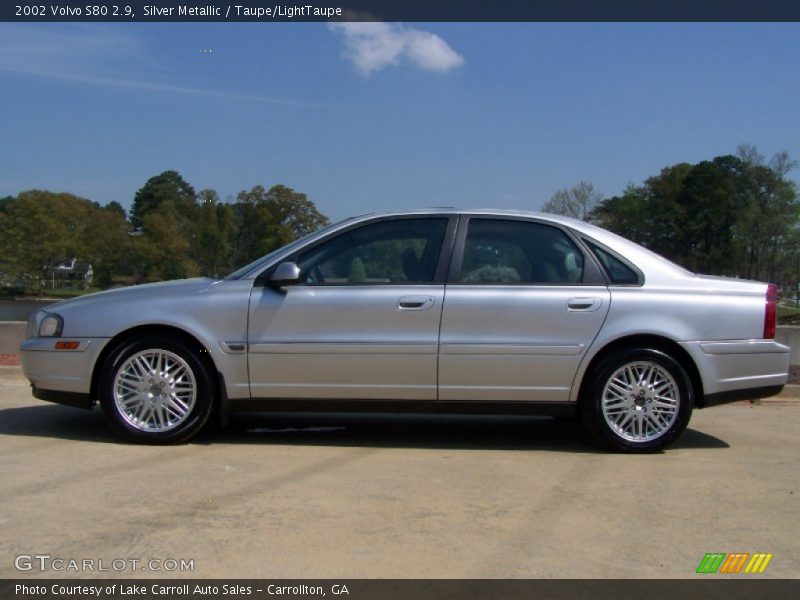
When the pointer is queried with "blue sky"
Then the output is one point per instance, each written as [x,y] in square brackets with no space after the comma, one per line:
[382,116]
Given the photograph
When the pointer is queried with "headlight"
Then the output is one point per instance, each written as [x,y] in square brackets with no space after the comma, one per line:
[50,326]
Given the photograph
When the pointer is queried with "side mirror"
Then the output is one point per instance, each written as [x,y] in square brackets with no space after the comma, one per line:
[287,273]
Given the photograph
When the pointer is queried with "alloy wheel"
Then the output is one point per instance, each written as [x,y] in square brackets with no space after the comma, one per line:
[640,401]
[154,390]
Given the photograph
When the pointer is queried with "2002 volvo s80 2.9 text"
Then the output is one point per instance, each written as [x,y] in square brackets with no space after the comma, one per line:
[436,310]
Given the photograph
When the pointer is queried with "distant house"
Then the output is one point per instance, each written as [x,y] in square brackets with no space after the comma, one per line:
[69,273]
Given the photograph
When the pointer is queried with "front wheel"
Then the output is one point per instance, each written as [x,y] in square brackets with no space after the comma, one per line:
[638,401]
[156,390]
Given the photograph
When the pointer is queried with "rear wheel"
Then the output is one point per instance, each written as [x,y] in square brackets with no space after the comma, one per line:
[638,401]
[156,389]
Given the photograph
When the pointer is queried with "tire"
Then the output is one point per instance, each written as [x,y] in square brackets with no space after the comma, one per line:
[156,390]
[638,400]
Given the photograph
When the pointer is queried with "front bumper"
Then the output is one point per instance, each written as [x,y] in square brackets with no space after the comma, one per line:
[67,398]
[739,369]
[63,376]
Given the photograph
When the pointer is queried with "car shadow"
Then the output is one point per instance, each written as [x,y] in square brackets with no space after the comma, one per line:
[346,430]
[54,421]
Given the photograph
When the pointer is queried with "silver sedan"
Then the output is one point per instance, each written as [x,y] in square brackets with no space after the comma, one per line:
[437,310]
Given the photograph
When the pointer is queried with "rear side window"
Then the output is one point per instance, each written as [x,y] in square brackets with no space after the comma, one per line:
[503,252]
[618,272]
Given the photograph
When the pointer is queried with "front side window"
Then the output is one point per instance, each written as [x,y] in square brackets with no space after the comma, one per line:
[505,252]
[388,252]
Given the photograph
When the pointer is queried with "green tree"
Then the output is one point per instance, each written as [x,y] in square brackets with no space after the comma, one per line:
[39,229]
[214,234]
[4,202]
[163,251]
[712,200]
[173,234]
[733,215]
[663,210]
[108,245]
[164,216]
[292,214]
[627,214]
[251,228]
[116,207]
[167,187]
[268,219]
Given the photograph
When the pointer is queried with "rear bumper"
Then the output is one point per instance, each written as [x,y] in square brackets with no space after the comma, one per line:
[739,369]
[736,395]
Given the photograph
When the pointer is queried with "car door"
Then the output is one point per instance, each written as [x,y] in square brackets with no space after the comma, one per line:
[363,322]
[523,303]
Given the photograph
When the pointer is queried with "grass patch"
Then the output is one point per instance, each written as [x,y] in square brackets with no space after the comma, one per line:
[788,315]
[67,293]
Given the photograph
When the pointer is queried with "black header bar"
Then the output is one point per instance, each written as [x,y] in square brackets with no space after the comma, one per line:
[400,10]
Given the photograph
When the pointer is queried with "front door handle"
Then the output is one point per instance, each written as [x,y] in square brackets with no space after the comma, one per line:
[415,302]
[584,304]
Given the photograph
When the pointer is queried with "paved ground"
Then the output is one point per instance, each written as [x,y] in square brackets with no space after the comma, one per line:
[399,496]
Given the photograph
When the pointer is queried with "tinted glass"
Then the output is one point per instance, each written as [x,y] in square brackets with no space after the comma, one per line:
[402,251]
[519,252]
[618,272]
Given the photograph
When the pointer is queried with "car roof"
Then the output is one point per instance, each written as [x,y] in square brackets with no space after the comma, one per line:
[456,210]
[577,224]
[647,261]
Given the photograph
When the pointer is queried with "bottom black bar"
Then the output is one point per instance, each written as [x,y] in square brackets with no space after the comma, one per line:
[709,587]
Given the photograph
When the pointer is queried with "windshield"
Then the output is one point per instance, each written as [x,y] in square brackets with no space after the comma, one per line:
[242,271]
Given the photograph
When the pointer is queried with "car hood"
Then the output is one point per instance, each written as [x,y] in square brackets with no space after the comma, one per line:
[148,291]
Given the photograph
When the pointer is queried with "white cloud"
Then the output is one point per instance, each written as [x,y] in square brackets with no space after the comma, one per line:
[372,46]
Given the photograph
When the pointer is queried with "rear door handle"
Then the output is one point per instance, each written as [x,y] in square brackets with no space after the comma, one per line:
[584,304]
[415,302]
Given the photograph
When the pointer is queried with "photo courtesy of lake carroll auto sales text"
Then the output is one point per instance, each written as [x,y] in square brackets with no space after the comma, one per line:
[182,589]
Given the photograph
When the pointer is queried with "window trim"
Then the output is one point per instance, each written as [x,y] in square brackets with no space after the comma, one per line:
[439,274]
[592,275]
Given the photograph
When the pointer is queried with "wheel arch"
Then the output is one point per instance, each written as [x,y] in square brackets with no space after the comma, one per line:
[651,341]
[157,329]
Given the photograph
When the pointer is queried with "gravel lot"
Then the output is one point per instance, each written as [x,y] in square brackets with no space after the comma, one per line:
[392,496]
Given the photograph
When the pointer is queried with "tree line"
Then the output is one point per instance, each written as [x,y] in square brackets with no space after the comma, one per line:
[734,215]
[171,231]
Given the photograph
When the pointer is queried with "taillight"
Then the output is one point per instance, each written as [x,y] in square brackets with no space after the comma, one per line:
[771,312]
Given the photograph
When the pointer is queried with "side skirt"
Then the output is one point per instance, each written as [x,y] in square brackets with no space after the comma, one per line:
[454,407]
